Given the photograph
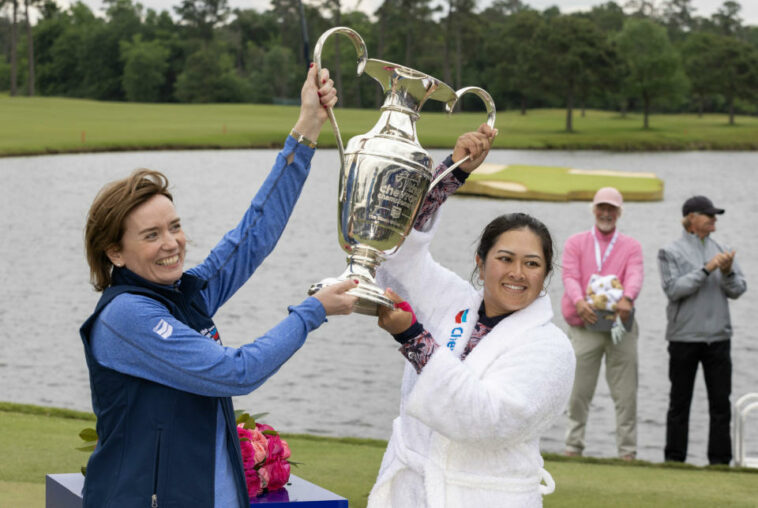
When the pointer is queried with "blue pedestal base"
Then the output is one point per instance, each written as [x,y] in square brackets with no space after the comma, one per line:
[65,491]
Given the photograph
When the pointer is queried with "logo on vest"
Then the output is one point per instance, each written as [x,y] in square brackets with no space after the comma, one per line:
[457,331]
[163,329]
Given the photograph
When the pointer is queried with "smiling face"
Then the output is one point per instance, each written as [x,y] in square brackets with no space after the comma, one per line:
[606,216]
[513,272]
[153,244]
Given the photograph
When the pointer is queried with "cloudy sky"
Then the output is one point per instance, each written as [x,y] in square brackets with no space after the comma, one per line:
[702,7]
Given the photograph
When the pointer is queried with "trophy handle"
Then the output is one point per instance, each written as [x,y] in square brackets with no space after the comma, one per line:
[488,103]
[360,48]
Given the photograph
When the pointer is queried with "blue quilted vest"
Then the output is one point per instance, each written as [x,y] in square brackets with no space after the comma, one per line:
[156,444]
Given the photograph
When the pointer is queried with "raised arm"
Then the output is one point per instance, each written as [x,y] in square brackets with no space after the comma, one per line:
[474,144]
[244,248]
[412,272]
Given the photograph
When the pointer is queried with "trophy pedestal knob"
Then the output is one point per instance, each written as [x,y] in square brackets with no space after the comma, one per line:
[370,296]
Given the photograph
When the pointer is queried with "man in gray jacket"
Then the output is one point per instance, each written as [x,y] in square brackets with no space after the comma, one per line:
[698,275]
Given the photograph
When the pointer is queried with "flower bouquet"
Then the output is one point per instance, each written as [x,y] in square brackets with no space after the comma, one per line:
[264,455]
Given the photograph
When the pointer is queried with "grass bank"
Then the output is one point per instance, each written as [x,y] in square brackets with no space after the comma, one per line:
[40,125]
[36,441]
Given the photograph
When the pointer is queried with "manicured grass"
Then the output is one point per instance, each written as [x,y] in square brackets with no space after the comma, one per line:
[611,483]
[22,494]
[36,441]
[51,125]
[559,184]
[610,131]
[33,443]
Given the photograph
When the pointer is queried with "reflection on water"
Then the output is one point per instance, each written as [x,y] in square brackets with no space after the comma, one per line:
[345,381]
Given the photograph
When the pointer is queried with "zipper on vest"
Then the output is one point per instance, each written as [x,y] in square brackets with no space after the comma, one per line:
[154,498]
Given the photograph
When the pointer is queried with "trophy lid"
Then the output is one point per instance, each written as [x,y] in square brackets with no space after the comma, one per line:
[415,87]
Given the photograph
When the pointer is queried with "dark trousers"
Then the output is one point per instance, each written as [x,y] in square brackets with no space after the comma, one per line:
[717,368]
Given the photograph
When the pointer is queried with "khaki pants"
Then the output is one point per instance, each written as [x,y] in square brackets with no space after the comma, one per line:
[621,374]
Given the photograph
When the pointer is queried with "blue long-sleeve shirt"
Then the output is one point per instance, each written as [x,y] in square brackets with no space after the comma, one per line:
[136,335]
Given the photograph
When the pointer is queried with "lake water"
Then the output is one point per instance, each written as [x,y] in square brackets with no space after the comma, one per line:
[345,380]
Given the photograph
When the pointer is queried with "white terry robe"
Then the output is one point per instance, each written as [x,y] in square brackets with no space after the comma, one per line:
[468,431]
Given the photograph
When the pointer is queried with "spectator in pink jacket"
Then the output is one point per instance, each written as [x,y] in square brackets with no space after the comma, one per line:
[595,333]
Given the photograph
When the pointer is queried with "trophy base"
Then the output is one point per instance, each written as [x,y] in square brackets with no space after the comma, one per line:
[370,297]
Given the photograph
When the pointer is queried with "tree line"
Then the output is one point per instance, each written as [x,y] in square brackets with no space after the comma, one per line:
[644,55]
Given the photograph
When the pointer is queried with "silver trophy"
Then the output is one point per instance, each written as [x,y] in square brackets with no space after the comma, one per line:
[385,173]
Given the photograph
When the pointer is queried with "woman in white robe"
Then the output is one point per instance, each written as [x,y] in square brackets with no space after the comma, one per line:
[487,371]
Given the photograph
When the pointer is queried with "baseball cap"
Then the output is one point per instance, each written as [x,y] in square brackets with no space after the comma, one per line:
[609,195]
[700,204]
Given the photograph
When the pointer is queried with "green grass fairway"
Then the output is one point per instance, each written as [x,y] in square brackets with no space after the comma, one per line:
[41,125]
[604,130]
[36,441]
[580,485]
[519,181]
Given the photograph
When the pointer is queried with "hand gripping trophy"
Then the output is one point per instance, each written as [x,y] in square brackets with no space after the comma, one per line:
[385,173]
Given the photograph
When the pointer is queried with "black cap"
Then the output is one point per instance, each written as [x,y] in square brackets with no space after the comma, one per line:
[700,204]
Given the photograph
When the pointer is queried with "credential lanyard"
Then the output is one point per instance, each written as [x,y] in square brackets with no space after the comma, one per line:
[608,249]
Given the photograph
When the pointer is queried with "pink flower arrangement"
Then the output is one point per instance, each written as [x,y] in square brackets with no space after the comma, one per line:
[264,456]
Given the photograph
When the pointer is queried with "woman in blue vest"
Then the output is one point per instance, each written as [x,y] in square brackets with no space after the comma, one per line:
[161,380]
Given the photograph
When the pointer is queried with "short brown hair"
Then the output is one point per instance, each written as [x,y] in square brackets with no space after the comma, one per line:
[105,221]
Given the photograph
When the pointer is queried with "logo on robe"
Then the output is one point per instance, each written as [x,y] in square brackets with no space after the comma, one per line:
[457,331]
